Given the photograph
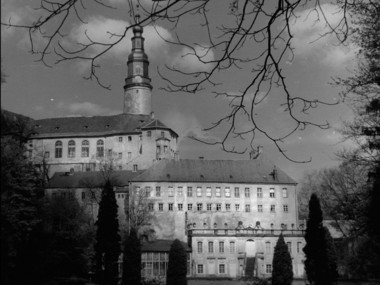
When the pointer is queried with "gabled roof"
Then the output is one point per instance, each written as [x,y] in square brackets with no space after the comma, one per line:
[256,171]
[93,179]
[161,245]
[156,124]
[92,126]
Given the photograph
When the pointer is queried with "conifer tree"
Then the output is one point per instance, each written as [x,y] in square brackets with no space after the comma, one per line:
[282,264]
[107,247]
[176,274]
[316,248]
[332,267]
[132,260]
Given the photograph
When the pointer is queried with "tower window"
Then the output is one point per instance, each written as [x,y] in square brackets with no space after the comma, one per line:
[129,138]
[85,148]
[71,149]
[58,149]
[135,168]
[149,134]
[120,139]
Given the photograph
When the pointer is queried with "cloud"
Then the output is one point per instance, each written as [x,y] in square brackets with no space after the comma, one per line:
[310,38]
[66,109]
[189,60]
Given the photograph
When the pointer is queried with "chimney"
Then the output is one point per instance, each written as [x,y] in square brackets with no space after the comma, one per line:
[152,115]
[201,157]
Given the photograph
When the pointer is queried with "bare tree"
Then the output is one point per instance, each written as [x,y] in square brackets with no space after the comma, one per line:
[264,27]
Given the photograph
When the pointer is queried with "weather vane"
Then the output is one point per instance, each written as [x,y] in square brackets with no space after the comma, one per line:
[137,16]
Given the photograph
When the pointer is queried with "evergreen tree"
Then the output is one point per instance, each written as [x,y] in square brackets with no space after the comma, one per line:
[132,260]
[107,247]
[282,264]
[176,274]
[316,263]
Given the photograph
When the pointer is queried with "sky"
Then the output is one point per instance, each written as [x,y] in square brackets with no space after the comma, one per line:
[38,91]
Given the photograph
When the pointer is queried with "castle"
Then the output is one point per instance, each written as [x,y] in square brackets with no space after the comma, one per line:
[229,213]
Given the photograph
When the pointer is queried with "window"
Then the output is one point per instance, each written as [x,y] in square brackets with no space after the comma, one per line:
[232,247]
[120,139]
[286,208]
[199,206]
[217,192]
[85,149]
[210,247]
[93,195]
[228,207]
[160,207]
[189,207]
[151,207]
[299,247]
[165,148]
[268,269]
[158,149]
[158,191]
[284,193]
[200,268]
[199,192]
[200,247]
[268,247]
[218,207]
[129,138]
[247,194]
[237,192]
[129,155]
[120,155]
[135,167]
[273,208]
[259,192]
[58,149]
[208,192]
[237,207]
[259,208]
[109,153]
[71,149]
[227,192]
[149,134]
[222,268]
[83,195]
[100,148]
[162,134]
[271,193]
[180,192]
[170,207]
[148,191]
[209,207]
[189,191]
[221,246]
[171,191]
[289,244]
[47,154]
[180,207]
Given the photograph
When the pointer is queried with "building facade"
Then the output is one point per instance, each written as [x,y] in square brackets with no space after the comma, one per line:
[230,212]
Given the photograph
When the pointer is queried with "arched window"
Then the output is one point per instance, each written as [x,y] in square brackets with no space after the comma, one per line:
[100,148]
[58,149]
[71,149]
[85,148]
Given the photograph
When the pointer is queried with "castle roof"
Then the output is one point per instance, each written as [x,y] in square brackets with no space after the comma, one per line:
[94,126]
[258,171]
[90,179]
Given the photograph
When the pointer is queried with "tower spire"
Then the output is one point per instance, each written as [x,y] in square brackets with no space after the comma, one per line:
[137,88]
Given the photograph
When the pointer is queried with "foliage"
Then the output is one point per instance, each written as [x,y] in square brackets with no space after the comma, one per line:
[332,266]
[132,260]
[20,195]
[317,258]
[107,247]
[251,280]
[137,210]
[282,273]
[177,267]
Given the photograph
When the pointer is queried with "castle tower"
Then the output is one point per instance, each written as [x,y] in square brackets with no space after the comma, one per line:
[137,88]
